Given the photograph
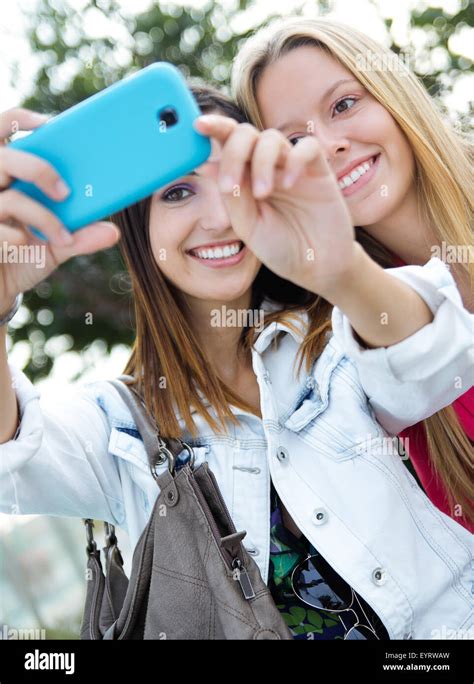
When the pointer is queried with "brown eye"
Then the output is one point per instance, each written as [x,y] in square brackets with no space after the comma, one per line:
[175,194]
[342,106]
[294,140]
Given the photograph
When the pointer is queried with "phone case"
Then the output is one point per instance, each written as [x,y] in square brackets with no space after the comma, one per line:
[118,146]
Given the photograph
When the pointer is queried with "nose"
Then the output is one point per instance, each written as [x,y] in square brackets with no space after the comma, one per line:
[334,144]
[216,217]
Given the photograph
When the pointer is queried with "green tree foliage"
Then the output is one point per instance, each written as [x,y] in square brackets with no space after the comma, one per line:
[74,65]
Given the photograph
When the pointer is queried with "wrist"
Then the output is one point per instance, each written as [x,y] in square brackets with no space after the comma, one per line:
[8,310]
[345,284]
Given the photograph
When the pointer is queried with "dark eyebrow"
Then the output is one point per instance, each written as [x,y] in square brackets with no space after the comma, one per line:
[328,92]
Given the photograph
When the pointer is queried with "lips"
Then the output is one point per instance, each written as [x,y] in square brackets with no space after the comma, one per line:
[217,259]
[220,250]
[360,176]
[347,170]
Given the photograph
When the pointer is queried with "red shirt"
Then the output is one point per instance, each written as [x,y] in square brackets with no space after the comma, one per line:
[417,449]
[419,455]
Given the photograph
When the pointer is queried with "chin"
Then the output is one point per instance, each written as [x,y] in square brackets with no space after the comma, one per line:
[227,296]
[368,216]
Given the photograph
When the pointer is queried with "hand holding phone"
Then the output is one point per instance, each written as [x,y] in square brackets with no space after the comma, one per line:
[17,210]
[118,146]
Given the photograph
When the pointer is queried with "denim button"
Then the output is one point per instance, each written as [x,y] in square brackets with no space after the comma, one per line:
[379,576]
[282,455]
[320,516]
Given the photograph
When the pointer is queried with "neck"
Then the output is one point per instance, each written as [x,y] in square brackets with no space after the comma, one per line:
[217,326]
[408,235]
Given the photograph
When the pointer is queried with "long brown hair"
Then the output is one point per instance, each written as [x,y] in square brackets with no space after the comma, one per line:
[168,363]
[444,177]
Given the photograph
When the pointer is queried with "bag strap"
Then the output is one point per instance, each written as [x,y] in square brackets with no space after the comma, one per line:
[157,448]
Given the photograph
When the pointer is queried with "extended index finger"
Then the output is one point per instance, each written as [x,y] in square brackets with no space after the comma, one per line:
[215,126]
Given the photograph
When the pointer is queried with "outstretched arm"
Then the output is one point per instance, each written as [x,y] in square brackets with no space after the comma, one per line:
[285,204]
[381,309]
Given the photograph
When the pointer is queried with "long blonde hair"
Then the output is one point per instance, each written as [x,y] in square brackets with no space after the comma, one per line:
[444,178]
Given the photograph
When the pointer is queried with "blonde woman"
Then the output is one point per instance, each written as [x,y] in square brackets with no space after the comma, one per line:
[338,528]
[406,177]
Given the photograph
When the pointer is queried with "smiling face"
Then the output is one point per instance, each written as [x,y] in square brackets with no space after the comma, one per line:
[307,92]
[193,242]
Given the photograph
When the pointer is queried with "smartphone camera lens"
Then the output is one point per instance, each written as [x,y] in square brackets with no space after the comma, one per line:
[168,117]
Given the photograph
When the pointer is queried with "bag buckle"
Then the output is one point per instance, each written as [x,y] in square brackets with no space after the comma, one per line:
[91,545]
[168,454]
[110,538]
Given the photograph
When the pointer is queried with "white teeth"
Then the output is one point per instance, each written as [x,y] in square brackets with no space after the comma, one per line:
[355,174]
[218,252]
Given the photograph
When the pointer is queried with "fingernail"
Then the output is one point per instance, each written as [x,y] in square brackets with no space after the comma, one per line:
[115,228]
[40,117]
[260,187]
[61,189]
[226,184]
[110,224]
[63,238]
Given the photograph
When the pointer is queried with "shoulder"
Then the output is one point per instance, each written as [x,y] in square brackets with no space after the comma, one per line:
[106,398]
[335,366]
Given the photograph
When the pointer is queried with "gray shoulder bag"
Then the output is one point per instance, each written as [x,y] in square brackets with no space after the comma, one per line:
[191,577]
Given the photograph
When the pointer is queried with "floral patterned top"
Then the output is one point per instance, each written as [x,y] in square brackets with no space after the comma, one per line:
[286,551]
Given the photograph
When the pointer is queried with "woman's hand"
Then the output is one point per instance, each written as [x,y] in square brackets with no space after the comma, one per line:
[17,210]
[302,230]
[284,203]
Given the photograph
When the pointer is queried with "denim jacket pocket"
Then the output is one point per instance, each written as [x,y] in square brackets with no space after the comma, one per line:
[318,423]
[309,407]
[314,398]
[126,443]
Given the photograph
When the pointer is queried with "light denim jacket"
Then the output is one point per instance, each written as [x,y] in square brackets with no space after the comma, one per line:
[319,441]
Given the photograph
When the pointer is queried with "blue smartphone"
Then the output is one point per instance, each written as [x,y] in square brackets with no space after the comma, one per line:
[118,146]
